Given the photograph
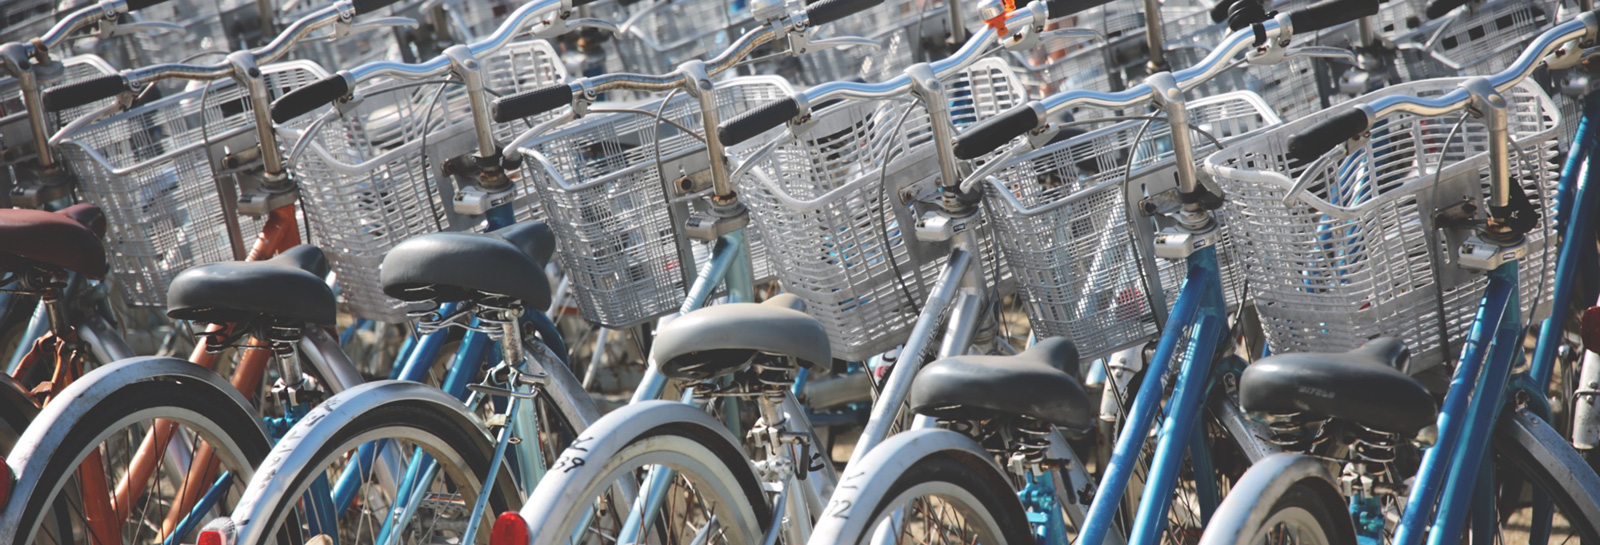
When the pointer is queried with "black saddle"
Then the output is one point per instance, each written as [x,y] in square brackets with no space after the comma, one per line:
[289,287]
[65,240]
[1363,385]
[1041,382]
[722,339]
[447,267]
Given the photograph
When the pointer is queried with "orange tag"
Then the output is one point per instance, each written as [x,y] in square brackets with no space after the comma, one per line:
[998,22]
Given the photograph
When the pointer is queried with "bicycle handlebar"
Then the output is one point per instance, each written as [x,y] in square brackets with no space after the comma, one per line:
[1440,8]
[364,7]
[1063,8]
[542,100]
[754,122]
[1318,139]
[141,4]
[994,132]
[300,101]
[1330,13]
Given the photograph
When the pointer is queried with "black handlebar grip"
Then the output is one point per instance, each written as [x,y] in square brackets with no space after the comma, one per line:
[135,5]
[828,11]
[1317,140]
[1440,8]
[364,7]
[1063,8]
[754,122]
[579,3]
[1219,11]
[529,103]
[996,131]
[77,94]
[1330,13]
[305,99]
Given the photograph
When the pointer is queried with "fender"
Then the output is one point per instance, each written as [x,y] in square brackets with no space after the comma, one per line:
[1266,481]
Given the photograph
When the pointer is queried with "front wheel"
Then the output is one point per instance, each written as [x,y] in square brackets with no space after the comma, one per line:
[707,491]
[924,486]
[1283,499]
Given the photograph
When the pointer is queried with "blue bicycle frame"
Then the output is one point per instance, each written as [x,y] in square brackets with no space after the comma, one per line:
[1452,481]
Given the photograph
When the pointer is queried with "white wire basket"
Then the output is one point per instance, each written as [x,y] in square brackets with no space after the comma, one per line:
[1059,64]
[1067,219]
[900,27]
[669,32]
[608,184]
[1357,254]
[15,131]
[375,178]
[156,170]
[834,233]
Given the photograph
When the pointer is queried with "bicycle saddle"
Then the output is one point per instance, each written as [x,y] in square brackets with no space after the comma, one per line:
[1363,385]
[1040,382]
[288,287]
[67,240]
[446,267]
[722,339]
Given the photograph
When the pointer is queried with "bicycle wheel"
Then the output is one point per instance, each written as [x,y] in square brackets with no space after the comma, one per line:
[1529,452]
[1283,499]
[925,486]
[420,426]
[712,497]
[105,416]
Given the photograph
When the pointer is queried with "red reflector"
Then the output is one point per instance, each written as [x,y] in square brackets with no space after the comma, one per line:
[1591,329]
[509,529]
[210,537]
[6,480]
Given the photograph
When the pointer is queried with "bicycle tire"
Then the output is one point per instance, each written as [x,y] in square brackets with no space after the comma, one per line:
[1535,450]
[423,415]
[1281,488]
[652,433]
[909,465]
[97,405]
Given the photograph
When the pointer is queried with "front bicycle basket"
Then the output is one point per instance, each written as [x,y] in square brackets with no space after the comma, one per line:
[376,177]
[157,172]
[1068,222]
[1357,253]
[608,183]
[902,29]
[834,234]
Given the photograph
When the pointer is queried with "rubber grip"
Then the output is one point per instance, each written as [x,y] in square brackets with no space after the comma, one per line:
[364,7]
[1063,8]
[580,3]
[995,132]
[754,122]
[305,99]
[1441,8]
[1219,10]
[828,11]
[77,94]
[135,5]
[1330,13]
[529,103]
[1318,139]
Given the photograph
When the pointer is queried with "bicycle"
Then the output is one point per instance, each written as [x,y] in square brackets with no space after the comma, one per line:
[1458,477]
[885,492]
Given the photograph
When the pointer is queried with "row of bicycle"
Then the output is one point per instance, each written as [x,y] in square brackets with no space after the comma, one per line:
[896,216]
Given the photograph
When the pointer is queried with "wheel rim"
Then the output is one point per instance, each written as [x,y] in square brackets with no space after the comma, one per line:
[1291,525]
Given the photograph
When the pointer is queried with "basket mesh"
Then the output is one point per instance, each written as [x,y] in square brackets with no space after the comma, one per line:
[614,217]
[1070,234]
[151,170]
[374,179]
[900,28]
[833,235]
[15,131]
[672,32]
[1358,255]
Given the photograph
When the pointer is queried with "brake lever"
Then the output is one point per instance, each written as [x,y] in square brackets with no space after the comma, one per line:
[343,30]
[844,41]
[124,29]
[627,26]
[1324,52]
[556,26]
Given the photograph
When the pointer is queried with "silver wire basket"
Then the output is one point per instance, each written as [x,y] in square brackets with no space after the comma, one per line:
[900,27]
[1356,254]
[826,215]
[609,186]
[1067,219]
[669,32]
[374,178]
[157,172]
